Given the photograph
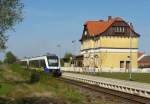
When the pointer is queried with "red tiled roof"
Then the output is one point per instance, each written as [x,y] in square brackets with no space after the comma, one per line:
[145,59]
[140,54]
[97,27]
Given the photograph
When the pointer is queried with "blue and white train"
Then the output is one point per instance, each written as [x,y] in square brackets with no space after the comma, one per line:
[46,63]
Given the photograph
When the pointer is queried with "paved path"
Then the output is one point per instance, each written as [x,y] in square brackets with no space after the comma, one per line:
[130,84]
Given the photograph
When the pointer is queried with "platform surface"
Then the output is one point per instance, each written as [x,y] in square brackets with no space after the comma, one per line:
[130,84]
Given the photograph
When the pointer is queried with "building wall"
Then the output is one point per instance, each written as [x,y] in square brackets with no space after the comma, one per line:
[112,60]
[117,42]
[110,42]
[109,51]
[109,59]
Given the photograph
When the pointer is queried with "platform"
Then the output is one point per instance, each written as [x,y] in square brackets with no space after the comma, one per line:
[141,89]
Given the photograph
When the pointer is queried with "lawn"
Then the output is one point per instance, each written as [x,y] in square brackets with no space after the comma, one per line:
[139,77]
[15,83]
[5,89]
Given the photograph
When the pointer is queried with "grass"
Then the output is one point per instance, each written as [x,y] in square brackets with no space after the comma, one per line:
[138,77]
[18,69]
[47,85]
[61,89]
[5,89]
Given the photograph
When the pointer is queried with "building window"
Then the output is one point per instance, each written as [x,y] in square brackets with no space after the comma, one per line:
[119,29]
[85,32]
[96,44]
[123,29]
[121,64]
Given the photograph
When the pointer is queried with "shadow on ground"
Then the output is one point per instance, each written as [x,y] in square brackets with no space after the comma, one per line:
[32,100]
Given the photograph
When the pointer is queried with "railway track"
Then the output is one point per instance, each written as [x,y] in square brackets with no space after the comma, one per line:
[122,95]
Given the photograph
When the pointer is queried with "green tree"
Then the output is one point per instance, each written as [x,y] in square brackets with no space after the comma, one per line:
[62,62]
[68,57]
[10,58]
[1,62]
[10,14]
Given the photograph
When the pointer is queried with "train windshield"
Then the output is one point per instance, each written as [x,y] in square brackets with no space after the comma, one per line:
[53,60]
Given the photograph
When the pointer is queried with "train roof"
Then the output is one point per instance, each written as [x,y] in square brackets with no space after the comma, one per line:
[38,57]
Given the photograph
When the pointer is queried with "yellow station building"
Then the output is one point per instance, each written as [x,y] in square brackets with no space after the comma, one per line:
[109,45]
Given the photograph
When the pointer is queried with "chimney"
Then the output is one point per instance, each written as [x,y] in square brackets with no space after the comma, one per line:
[109,18]
[101,20]
[131,26]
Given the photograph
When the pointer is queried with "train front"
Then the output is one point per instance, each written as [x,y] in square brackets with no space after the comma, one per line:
[54,65]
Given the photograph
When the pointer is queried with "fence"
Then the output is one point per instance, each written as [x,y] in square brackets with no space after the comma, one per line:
[90,69]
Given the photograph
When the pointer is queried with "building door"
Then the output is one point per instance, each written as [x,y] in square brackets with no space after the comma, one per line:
[127,65]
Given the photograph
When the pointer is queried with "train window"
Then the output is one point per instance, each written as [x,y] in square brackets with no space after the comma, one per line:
[52,60]
[37,63]
[42,63]
[34,63]
[23,63]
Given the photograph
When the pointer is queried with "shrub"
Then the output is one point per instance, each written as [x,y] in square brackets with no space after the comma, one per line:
[10,58]
[0,62]
[35,77]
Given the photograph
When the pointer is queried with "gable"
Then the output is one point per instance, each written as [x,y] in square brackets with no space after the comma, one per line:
[101,27]
[120,28]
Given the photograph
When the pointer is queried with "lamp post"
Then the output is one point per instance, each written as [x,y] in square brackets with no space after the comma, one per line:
[59,51]
[130,71]
[94,53]
[73,43]
[74,51]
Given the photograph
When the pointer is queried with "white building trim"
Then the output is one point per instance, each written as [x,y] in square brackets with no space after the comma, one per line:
[141,57]
[109,50]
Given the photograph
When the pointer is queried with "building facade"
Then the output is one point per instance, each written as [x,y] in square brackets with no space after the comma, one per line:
[143,60]
[110,45]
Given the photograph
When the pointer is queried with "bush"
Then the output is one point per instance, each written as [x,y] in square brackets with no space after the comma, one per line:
[35,77]
[1,62]
[10,58]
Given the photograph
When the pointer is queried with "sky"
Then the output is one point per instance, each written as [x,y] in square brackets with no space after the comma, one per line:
[48,23]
